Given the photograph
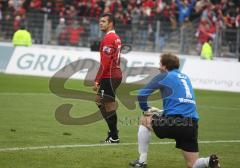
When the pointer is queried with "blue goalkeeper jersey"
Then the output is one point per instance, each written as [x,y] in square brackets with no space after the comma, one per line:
[176,91]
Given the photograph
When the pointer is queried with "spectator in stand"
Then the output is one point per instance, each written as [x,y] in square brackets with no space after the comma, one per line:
[48,8]
[210,14]
[230,33]
[94,14]
[35,18]
[184,37]
[172,14]
[101,4]
[70,14]
[237,21]
[205,31]
[143,29]
[59,8]
[83,8]
[115,6]
[61,33]
[17,23]
[7,26]
[8,18]
[148,4]
[20,10]
[184,10]
[106,9]
[95,9]
[74,32]
[135,15]
[127,22]
[166,12]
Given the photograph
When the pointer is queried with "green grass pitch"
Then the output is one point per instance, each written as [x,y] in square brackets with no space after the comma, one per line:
[27,119]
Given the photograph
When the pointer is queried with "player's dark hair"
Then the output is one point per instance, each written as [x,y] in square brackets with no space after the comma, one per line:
[110,17]
[170,60]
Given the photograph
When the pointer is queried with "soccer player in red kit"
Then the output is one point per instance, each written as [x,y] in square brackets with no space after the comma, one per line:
[109,75]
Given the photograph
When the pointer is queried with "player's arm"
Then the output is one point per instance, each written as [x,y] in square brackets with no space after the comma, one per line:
[145,92]
[97,78]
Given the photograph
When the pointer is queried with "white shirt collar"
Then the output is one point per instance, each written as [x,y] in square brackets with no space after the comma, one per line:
[111,31]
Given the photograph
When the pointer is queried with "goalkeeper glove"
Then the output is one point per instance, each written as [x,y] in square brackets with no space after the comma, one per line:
[153,110]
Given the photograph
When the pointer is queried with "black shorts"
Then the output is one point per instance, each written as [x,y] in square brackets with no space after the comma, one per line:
[108,87]
[183,130]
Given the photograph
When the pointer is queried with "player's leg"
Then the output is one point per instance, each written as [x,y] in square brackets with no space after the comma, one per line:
[211,161]
[109,114]
[186,137]
[193,161]
[144,136]
[108,111]
[109,106]
[111,119]
[191,158]
[187,141]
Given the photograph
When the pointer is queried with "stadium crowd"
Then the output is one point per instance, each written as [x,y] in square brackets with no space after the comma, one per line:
[68,17]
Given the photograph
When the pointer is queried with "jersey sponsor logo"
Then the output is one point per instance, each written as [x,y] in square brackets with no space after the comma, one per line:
[182,100]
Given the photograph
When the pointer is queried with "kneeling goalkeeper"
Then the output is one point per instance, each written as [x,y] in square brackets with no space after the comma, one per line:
[179,120]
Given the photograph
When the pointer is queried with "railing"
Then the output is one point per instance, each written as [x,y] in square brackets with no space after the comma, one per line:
[153,36]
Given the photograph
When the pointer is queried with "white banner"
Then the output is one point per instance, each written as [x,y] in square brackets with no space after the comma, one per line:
[39,61]
[44,61]
[213,75]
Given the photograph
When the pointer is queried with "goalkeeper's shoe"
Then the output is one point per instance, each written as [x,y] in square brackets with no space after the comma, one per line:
[137,164]
[214,162]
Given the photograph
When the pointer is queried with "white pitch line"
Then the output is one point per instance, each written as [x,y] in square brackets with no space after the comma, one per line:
[101,145]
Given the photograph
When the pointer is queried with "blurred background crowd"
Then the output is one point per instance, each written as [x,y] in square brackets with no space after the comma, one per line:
[146,24]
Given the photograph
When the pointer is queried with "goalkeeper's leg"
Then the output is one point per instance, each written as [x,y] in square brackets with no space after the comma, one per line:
[193,161]
[144,135]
